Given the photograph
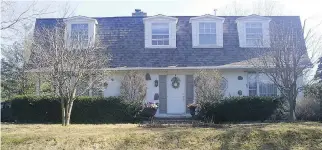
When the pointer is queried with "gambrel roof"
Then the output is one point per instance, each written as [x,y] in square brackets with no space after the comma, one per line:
[124,37]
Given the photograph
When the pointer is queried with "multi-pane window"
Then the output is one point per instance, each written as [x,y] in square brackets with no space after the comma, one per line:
[160,33]
[252,84]
[254,34]
[79,33]
[207,33]
[259,86]
[267,89]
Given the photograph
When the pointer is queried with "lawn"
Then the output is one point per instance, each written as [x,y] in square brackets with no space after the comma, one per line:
[130,136]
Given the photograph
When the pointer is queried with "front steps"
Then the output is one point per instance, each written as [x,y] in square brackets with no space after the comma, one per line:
[173,121]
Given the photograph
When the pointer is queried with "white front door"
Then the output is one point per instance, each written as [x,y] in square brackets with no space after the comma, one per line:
[176,102]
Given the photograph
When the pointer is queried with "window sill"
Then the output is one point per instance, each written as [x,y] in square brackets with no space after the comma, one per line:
[161,47]
[249,46]
[207,46]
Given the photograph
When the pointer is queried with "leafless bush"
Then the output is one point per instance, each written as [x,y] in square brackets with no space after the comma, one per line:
[308,109]
[133,86]
[208,85]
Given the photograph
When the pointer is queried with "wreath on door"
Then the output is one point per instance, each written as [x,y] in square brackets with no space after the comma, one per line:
[175,82]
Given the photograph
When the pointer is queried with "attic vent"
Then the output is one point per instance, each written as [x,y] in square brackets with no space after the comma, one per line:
[138,13]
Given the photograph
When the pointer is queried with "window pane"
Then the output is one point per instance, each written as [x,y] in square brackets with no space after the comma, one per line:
[253,25]
[160,34]
[79,32]
[207,33]
[154,42]
[254,42]
[160,28]
[254,36]
[160,37]
[267,89]
[254,33]
[207,25]
[207,38]
[252,92]
[252,84]
[201,25]
[254,30]
[201,30]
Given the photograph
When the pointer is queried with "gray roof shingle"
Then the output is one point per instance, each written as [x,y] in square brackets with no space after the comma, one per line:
[124,37]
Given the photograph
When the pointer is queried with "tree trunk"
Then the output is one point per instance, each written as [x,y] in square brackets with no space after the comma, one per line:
[63,110]
[68,112]
[67,119]
[292,103]
[320,108]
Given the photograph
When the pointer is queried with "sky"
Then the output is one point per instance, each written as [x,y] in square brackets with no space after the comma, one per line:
[108,8]
[306,9]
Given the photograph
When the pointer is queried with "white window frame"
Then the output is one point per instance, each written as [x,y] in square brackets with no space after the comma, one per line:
[260,39]
[80,20]
[268,87]
[248,83]
[195,22]
[79,39]
[241,28]
[209,33]
[172,21]
[259,82]
[163,39]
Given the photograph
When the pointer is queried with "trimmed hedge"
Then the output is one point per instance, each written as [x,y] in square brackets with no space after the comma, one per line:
[33,109]
[238,109]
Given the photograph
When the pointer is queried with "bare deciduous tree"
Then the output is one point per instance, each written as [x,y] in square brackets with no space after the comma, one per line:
[15,15]
[208,86]
[260,7]
[285,62]
[133,86]
[73,66]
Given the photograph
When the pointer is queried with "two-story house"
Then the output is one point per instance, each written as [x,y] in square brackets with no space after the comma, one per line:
[165,47]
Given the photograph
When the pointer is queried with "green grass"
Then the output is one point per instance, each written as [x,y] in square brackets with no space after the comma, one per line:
[131,136]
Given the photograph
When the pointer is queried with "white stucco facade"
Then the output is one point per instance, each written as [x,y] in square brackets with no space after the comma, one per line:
[237,85]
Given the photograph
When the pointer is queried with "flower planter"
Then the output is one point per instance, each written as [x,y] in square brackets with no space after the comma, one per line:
[192,111]
[192,107]
[149,112]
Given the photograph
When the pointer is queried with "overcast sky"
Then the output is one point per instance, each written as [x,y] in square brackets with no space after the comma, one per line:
[303,8]
[107,8]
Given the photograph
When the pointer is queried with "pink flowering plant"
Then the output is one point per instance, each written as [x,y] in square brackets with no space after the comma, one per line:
[151,105]
[192,105]
[149,109]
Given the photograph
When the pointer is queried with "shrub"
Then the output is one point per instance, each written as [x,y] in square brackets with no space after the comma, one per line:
[26,108]
[85,110]
[307,109]
[237,109]
[133,86]
[208,86]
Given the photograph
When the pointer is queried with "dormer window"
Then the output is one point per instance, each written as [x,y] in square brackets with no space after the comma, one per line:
[79,33]
[253,31]
[81,30]
[160,31]
[254,34]
[207,31]
[160,34]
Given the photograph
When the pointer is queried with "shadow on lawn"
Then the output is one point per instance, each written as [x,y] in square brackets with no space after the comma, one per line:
[203,125]
[248,136]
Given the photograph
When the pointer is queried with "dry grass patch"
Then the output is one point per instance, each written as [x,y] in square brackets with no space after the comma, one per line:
[130,136]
